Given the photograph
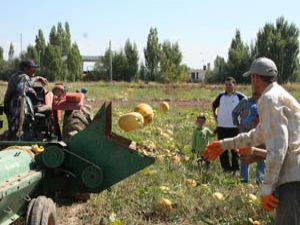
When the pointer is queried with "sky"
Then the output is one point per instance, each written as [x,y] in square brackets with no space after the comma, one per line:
[202,28]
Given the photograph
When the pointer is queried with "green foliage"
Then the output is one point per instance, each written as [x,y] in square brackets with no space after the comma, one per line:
[152,55]
[1,58]
[11,52]
[280,42]
[238,58]
[132,58]
[73,63]
[32,53]
[119,65]
[53,61]
[102,67]
[219,72]
[170,60]
[124,64]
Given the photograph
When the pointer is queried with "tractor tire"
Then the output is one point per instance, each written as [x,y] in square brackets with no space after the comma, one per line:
[41,211]
[76,120]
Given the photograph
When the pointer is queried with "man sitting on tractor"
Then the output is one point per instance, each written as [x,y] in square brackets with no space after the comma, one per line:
[20,84]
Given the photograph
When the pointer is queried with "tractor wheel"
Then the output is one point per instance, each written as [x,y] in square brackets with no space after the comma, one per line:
[76,120]
[41,211]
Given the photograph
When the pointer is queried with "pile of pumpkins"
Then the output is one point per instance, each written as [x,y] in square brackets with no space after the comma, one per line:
[143,114]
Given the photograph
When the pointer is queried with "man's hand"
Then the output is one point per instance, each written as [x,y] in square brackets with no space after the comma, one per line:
[269,202]
[43,80]
[213,151]
[244,151]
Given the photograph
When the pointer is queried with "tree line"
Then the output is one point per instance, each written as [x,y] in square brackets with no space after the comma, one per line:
[278,41]
[60,59]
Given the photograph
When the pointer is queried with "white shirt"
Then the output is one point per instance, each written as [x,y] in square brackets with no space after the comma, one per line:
[226,103]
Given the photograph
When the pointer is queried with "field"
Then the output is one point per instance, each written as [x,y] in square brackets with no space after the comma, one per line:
[175,175]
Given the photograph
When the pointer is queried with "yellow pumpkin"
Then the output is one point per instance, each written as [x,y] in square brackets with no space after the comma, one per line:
[146,111]
[131,121]
[191,182]
[219,196]
[164,107]
[164,206]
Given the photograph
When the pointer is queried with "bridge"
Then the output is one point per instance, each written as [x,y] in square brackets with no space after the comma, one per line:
[89,58]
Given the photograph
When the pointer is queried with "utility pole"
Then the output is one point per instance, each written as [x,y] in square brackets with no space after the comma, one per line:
[110,62]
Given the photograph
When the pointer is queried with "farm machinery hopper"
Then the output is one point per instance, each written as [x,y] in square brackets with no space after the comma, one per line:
[34,170]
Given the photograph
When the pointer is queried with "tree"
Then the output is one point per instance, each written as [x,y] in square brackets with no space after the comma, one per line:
[170,60]
[53,37]
[219,72]
[40,46]
[152,54]
[74,64]
[32,53]
[1,57]
[101,67]
[280,42]
[53,61]
[11,52]
[1,64]
[119,64]
[66,43]
[132,58]
[239,58]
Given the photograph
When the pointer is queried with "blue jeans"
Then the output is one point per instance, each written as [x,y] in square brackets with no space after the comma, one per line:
[260,172]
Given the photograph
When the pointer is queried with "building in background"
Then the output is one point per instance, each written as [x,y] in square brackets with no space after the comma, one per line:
[198,75]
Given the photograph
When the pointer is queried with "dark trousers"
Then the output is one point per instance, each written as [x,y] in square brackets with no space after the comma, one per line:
[222,133]
[288,211]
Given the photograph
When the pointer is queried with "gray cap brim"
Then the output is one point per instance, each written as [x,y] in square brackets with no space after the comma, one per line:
[247,74]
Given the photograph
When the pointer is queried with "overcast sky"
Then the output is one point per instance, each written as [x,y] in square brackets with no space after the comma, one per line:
[203,29]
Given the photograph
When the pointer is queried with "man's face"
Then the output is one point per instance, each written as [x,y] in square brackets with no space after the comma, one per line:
[255,86]
[30,71]
[229,86]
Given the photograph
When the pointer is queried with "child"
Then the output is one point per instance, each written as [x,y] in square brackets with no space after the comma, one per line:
[201,137]
[254,153]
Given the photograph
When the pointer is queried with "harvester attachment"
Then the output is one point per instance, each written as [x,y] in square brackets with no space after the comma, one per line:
[93,159]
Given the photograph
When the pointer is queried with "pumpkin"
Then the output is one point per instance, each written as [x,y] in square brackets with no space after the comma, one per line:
[164,206]
[191,182]
[219,196]
[131,121]
[164,107]
[146,111]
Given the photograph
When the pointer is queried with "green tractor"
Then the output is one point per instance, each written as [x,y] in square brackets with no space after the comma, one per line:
[85,157]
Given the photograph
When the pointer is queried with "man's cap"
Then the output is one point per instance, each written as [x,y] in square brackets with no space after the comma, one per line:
[262,66]
[28,64]
[253,114]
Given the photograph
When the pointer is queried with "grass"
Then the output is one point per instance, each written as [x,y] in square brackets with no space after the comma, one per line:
[135,200]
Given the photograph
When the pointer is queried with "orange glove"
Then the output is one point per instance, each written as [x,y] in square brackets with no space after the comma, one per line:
[244,151]
[213,151]
[269,202]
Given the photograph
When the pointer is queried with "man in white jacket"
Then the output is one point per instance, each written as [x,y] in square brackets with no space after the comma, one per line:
[279,130]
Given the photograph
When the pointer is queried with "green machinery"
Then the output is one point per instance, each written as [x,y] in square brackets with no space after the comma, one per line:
[88,162]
